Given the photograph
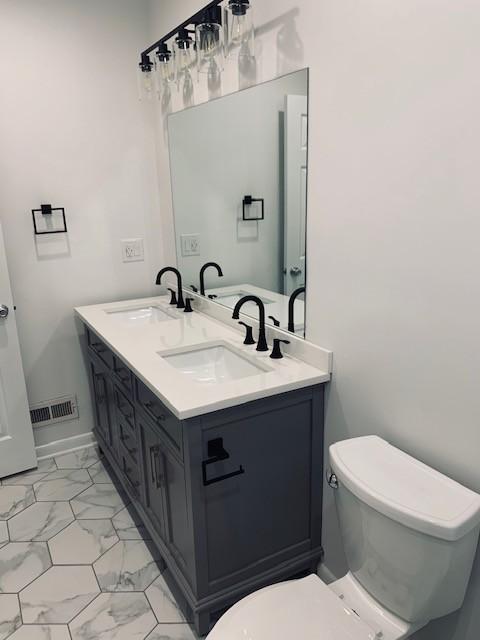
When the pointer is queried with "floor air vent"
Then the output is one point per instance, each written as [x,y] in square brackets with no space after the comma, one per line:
[52,411]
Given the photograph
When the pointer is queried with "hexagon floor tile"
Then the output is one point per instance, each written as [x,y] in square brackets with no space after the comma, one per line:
[41,632]
[22,562]
[129,526]
[58,595]
[81,459]
[128,566]
[82,542]
[173,632]
[63,484]
[163,603]
[40,522]
[30,477]
[98,501]
[14,499]
[114,616]
[101,472]
[11,618]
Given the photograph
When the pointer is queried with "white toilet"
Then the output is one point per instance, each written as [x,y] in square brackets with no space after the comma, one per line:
[409,534]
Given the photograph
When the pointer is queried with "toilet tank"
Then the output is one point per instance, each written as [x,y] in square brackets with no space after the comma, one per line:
[409,532]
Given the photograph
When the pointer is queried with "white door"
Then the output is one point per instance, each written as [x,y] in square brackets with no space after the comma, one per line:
[17,451]
[295,172]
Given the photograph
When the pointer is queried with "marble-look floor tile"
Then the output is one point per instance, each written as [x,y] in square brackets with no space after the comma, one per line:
[98,501]
[58,595]
[10,618]
[64,484]
[81,459]
[14,499]
[173,632]
[82,542]
[114,616]
[128,566]
[40,522]
[129,526]
[163,603]
[41,632]
[101,472]
[44,467]
[3,533]
[20,563]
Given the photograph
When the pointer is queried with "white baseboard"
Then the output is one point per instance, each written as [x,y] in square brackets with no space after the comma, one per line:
[66,445]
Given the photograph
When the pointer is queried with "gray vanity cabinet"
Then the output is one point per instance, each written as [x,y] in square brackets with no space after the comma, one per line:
[232,499]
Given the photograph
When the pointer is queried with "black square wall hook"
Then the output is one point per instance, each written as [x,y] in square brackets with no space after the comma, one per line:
[253,208]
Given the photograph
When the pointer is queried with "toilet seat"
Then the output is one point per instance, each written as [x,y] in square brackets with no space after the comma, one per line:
[305,609]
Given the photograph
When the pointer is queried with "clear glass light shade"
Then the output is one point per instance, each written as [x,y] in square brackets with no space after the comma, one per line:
[240,33]
[184,53]
[146,82]
[165,68]
[209,42]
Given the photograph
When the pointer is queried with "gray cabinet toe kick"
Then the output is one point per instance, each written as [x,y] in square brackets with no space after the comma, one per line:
[232,499]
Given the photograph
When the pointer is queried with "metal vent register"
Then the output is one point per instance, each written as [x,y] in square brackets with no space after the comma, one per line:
[52,411]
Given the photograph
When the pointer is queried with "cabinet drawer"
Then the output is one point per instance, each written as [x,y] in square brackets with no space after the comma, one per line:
[128,439]
[130,470]
[123,375]
[169,425]
[100,349]
[124,409]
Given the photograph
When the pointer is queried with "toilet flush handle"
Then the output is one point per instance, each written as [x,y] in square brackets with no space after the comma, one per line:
[332,479]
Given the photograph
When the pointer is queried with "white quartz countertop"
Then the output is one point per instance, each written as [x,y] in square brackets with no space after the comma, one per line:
[141,345]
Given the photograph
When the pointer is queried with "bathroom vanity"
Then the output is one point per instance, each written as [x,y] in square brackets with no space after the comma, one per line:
[214,469]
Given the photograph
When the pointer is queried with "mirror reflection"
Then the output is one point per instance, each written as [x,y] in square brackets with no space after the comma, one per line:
[239,179]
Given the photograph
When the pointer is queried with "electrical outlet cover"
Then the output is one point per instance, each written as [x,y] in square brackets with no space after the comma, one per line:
[190,244]
[132,250]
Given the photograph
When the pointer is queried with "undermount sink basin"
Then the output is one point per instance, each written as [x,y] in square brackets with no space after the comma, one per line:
[214,363]
[141,315]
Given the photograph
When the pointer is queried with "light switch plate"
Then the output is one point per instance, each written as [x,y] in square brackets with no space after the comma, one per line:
[132,250]
[190,244]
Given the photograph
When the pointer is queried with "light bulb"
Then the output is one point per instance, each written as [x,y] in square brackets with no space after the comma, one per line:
[209,40]
[145,79]
[240,28]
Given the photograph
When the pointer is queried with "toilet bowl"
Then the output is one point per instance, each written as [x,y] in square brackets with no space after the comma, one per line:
[409,535]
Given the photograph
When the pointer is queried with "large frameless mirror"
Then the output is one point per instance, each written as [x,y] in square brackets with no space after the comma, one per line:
[239,181]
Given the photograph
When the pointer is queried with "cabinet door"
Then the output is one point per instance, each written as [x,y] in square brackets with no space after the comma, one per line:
[101,400]
[261,517]
[177,522]
[153,475]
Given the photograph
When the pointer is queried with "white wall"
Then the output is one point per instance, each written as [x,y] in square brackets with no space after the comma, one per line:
[247,128]
[73,134]
[393,225]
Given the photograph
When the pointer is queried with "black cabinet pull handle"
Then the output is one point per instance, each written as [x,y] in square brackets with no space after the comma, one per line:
[152,464]
[217,453]
[158,475]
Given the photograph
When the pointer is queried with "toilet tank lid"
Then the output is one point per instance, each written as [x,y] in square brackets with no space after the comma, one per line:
[404,489]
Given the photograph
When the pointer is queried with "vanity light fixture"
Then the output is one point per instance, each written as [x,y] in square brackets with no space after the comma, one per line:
[145,78]
[209,41]
[253,208]
[209,48]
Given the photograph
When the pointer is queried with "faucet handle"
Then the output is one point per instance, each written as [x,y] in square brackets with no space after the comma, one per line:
[249,333]
[274,320]
[173,299]
[188,305]
[276,351]
[194,288]
[212,296]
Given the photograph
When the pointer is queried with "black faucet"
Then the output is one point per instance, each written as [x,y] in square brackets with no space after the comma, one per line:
[180,302]
[262,340]
[291,302]
[202,272]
